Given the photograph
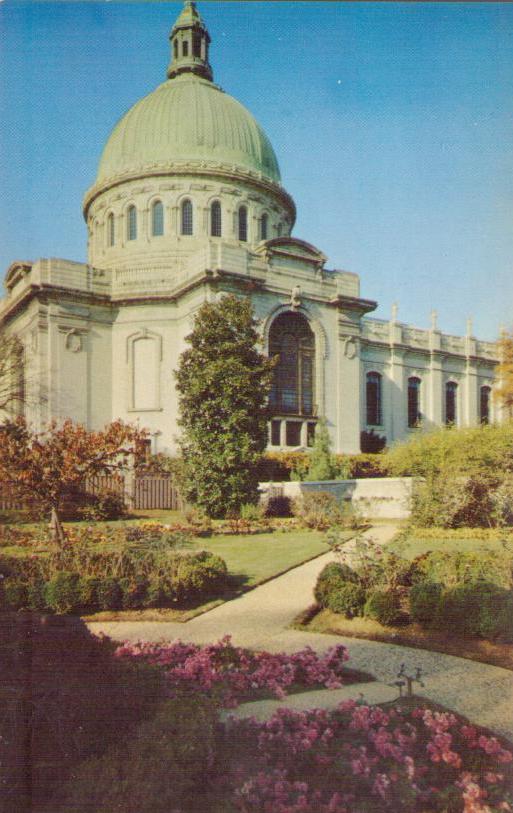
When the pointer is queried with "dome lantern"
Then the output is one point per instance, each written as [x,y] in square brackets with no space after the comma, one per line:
[189,44]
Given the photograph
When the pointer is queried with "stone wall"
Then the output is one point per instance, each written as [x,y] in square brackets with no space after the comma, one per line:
[373,498]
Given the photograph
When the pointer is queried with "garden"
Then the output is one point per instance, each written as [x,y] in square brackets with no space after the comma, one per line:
[146,570]
[88,724]
[138,728]
[446,582]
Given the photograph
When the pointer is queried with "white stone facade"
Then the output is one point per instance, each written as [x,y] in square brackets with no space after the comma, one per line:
[102,339]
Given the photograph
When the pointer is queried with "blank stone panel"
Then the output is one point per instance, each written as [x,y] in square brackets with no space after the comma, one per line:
[145,374]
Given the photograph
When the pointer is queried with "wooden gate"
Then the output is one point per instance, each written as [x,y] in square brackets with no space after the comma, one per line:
[156,492]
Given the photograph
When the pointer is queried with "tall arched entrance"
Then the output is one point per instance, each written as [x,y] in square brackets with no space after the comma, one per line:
[292,398]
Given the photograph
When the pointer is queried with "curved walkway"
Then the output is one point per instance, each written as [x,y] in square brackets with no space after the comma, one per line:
[260,619]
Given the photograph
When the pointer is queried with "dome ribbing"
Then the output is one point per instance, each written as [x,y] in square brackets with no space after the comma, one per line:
[187,118]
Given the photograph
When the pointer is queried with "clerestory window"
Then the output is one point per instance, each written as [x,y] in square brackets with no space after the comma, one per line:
[157,219]
[243,224]
[132,223]
[111,230]
[186,225]
[215,219]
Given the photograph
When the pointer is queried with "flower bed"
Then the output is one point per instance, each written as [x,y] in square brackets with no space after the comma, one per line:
[233,674]
[360,759]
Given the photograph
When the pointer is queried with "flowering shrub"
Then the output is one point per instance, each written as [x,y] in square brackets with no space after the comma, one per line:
[360,758]
[233,673]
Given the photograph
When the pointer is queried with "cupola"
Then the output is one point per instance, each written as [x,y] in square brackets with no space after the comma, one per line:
[189,44]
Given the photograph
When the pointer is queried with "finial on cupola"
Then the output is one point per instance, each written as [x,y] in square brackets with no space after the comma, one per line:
[189,44]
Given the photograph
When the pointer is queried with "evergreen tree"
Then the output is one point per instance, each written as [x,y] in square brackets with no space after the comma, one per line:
[223,383]
[321,459]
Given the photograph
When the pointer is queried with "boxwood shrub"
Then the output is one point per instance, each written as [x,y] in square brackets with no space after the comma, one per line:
[424,601]
[383,606]
[331,578]
[198,575]
[476,609]
[348,600]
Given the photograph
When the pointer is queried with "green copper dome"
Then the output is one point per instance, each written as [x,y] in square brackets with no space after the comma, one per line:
[187,118]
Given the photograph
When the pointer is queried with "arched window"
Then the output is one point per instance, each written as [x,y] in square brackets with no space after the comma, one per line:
[451,391]
[157,219]
[215,219]
[243,223]
[185,49]
[131,223]
[111,230]
[414,415]
[264,222]
[373,393]
[176,49]
[196,45]
[186,217]
[292,340]
[484,404]
[279,229]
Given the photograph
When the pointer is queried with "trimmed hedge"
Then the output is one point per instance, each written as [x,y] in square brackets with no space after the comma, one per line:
[183,579]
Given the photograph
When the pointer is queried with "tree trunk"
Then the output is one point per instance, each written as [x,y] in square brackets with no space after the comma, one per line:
[56,529]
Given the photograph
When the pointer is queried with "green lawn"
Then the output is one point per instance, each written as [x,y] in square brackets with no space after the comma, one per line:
[253,559]
[418,541]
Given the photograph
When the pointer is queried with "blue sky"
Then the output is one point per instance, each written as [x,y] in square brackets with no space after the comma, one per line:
[392,124]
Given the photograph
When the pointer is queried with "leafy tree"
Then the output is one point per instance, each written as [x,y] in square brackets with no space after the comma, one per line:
[45,466]
[322,466]
[223,383]
[504,373]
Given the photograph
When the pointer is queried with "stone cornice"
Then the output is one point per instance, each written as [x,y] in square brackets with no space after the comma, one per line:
[46,292]
[16,271]
[353,303]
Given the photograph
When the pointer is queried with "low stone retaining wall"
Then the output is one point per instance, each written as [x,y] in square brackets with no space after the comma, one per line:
[373,498]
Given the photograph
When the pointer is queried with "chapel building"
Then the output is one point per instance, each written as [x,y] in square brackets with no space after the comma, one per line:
[187,206]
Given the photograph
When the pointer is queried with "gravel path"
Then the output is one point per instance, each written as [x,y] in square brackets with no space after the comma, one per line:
[260,618]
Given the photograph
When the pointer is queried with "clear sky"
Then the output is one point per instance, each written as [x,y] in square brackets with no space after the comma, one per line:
[392,123]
